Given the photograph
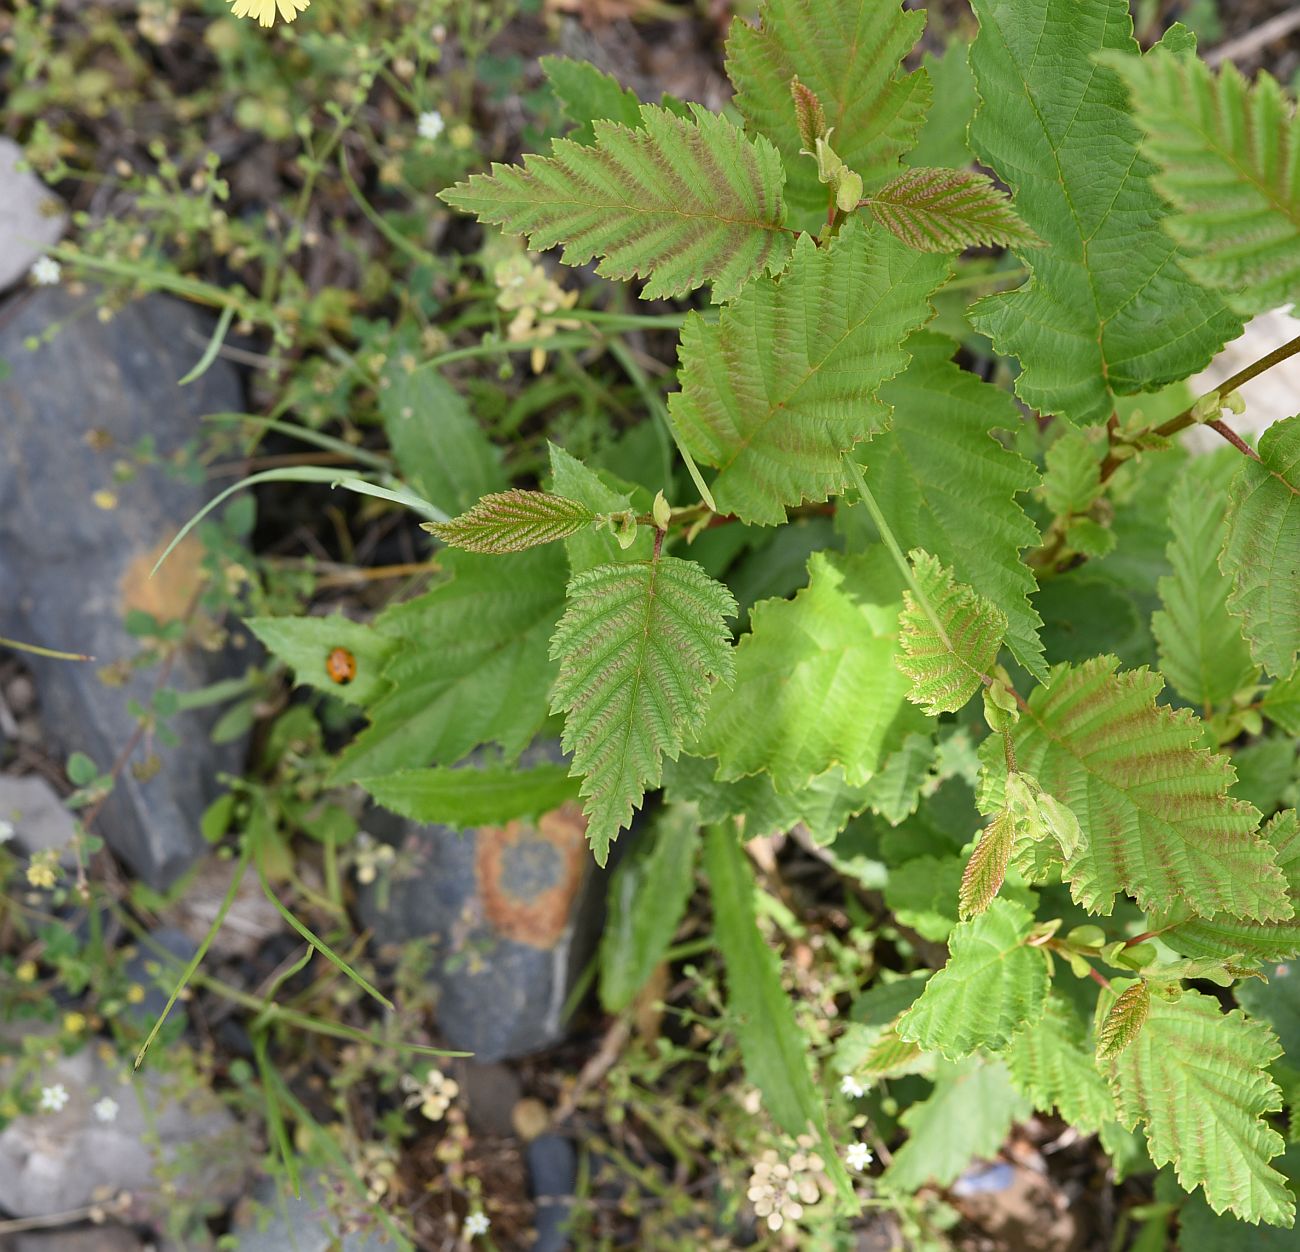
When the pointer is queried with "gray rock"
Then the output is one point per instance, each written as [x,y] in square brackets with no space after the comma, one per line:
[31,217]
[40,821]
[73,412]
[489,1094]
[52,1162]
[512,914]
[278,1221]
[553,1166]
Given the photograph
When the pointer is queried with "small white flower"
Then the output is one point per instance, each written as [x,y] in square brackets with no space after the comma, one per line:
[851,1087]
[431,124]
[46,271]
[476,1224]
[106,1109]
[7,831]
[54,1098]
[858,1156]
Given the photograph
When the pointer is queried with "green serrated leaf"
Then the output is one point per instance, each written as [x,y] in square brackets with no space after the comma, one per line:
[647,898]
[941,210]
[1152,803]
[1223,935]
[449,689]
[638,646]
[1054,1066]
[510,521]
[942,141]
[1202,651]
[773,1048]
[1281,703]
[848,53]
[1107,310]
[968,1114]
[776,390]
[469,797]
[304,644]
[992,986]
[1262,551]
[895,792]
[678,202]
[949,637]
[816,684]
[1197,1079]
[441,450]
[588,95]
[945,484]
[596,546]
[1228,154]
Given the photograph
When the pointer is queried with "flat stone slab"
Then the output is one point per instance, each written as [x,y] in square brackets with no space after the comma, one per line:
[39,819]
[91,491]
[31,216]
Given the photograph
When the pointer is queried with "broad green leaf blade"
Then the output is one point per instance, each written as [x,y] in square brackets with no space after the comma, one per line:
[848,52]
[678,202]
[1198,1081]
[1157,822]
[1281,704]
[776,390]
[510,521]
[1224,935]
[942,141]
[442,451]
[967,1115]
[948,655]
[774,1050]
[945,484]
[1053,1065]
[639,646]
[304,644]
[1107,310]
[1262,552]
[1229,162]
[647,899]
[816,685]
[895,791]
[449,688]
[939,210]
[1200,1229]
[992,987]
[588,95]
[1202,651]
[469,797]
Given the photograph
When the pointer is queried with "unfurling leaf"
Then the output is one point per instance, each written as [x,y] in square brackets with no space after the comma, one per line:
[948,655]
[1198,1080]
[993,986]
[987,868]
[510,521]
[949,211]
[1124,1021]
[784,383]
[639,645]
[847,52]
[1262,551]
[1227,154]
[679,202]
[809,116]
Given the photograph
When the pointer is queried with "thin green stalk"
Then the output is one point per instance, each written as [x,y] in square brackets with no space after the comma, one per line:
[887,535]
[321,946]
[240,868]
[214,346]
[655,402]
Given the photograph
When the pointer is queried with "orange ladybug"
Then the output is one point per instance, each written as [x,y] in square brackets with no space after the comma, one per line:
[341,666]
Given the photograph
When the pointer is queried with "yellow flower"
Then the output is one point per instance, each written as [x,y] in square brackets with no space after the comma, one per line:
[264,10]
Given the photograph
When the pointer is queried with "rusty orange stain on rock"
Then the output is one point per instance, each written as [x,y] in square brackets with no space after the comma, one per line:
[528,875]
[168,594]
